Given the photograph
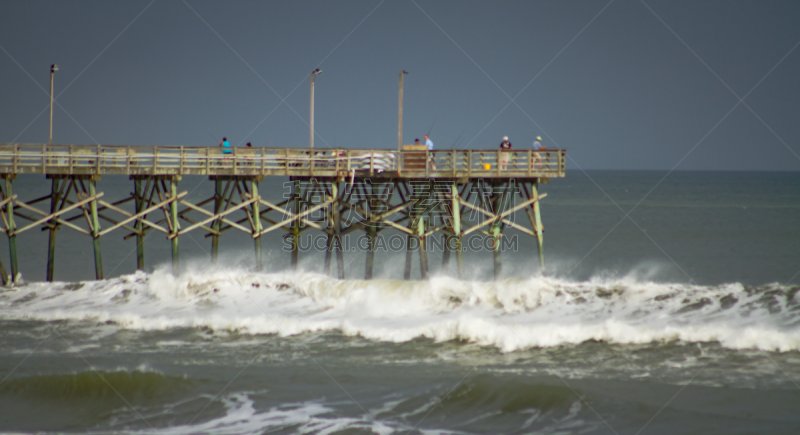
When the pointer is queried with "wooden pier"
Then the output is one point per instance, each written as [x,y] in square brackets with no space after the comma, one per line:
[419,193]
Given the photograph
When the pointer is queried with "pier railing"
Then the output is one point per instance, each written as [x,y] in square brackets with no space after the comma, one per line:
[186,160]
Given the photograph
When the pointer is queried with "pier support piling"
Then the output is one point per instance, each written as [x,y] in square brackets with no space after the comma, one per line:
[98,257]
[456,211]
[3,273]
[370,261]
[539,229]
[173,215]
[295,223]
[55,198]
[337,226]
[139,206]
[445,251]
[423,253]
[256,218]
[11,228]
[409,257]
[219,200]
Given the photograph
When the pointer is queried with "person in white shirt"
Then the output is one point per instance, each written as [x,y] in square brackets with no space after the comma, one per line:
[537,157]
[504,157]
[429,144]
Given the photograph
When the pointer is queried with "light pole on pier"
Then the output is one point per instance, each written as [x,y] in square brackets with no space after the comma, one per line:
[53,69]
[311,124]
[400,114]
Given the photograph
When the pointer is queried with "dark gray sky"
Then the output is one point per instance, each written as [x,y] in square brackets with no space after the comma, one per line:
[622,85]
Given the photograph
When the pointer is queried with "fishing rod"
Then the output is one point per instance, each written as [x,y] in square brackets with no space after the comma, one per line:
[431,129]
[212,136]
[458,139]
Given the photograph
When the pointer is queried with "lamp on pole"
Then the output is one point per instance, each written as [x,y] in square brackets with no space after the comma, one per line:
[400,113]
[311,124]
[53,69]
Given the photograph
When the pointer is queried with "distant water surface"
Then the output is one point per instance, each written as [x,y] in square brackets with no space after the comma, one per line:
[683,317]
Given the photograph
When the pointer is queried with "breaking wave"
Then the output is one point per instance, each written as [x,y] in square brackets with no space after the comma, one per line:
[511,314]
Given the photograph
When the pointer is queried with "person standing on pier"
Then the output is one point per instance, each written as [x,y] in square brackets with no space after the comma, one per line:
[505,145]
[537,157]
[429,144]
[226,149]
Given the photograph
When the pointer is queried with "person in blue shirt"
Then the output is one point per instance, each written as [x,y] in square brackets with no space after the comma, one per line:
[226,150]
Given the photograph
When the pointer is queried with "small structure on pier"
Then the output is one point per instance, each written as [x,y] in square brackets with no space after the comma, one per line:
[420,193]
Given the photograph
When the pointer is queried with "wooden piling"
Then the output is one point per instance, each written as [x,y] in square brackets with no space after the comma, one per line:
[539,229]
[256,217]
[423,253]
[173,208]
[370,261]
[456,211]
[445,251]
[11,228]
[295,224]
[409,257]
[330,230]
[139,206]
[219,200]
[337,223]
[98,257]
[496,231]
[3,274]
[55,197]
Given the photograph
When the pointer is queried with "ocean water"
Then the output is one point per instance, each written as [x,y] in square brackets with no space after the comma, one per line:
[668,305]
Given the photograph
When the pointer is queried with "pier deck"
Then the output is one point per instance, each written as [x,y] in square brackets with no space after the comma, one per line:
[186,160]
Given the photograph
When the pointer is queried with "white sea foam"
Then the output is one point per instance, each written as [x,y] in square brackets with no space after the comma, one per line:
[242,418]
[510,314]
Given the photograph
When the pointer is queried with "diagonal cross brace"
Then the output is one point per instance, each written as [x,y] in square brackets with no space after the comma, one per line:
[214,217]
[292,216]
[56,214]
[59,221]
[141,214]
[312,224]
[500,217]
[2,204]
[383,220]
